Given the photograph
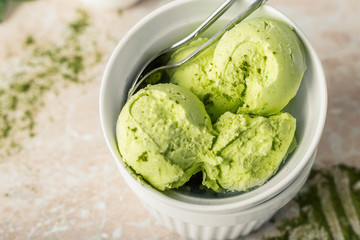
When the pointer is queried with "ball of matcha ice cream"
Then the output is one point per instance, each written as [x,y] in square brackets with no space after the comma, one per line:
[251,149]
[256,67]
[162,132]
[195,77]
[263,61]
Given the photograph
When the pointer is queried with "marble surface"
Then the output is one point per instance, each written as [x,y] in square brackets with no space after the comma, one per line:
[64,184]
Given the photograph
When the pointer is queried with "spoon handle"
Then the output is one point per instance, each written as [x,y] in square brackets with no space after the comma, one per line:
[204,25]
[255,5]
[163,56]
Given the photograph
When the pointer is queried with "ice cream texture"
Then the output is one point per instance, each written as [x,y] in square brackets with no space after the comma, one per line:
[256,67]
[163,131]
[251,149]
[220,114]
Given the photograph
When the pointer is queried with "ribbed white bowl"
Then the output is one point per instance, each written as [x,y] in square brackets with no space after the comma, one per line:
[219,224]
[225,216]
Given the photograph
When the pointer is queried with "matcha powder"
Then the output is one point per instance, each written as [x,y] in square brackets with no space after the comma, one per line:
[328,205]
[44,67]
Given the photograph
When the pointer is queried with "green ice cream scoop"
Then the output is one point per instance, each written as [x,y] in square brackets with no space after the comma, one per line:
[249,150]
[163,131]
[256,67]
[260,64]
[195,77]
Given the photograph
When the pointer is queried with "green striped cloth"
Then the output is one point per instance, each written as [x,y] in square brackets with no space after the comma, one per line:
[328,207]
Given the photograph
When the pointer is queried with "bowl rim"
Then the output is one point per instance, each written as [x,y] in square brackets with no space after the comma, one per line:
[214,204]
[263,210]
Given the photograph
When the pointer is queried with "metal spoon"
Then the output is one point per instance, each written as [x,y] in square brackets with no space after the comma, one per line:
[156,67]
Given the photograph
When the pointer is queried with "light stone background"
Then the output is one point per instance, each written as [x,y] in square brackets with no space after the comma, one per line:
[66,184]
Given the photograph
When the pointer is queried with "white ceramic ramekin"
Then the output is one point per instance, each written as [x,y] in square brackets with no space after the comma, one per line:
[197,221]
[223,216]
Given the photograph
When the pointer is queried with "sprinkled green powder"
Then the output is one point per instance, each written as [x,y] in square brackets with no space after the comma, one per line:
[29,40]
[329,207]
[44,67]
[80,25]
[120,12]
